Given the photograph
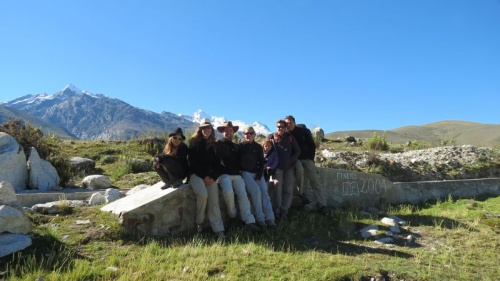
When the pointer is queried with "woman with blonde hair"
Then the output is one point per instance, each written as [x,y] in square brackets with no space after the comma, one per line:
[205,169]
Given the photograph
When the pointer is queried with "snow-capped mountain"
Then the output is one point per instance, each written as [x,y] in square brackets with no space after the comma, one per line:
[260,129]
[95,116]
[98,117]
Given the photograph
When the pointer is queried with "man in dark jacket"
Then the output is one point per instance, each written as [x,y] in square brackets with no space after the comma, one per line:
[230,180]
[305,170]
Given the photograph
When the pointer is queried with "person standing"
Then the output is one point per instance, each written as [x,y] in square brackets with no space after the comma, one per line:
[205,168]
[230,180]
[172,164]
[288,152]
[305,170]
[252,168]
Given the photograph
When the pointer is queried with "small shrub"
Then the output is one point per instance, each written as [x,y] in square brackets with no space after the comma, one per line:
[377,142]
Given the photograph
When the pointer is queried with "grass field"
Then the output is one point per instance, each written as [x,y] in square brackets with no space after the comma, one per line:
[454,240]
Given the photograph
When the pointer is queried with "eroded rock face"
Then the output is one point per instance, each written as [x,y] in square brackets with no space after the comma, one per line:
[439,163]
[43,176]
[12,162]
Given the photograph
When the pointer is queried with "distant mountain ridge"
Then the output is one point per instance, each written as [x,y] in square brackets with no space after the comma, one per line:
[88,116]
[47,128]
[440,132]
[73,113]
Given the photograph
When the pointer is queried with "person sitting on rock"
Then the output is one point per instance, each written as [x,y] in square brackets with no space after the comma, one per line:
[230,180]
[172,165]
[205,169]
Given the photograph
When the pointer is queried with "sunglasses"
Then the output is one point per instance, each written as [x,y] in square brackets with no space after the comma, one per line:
[176,138]
[280,127]
[249,133]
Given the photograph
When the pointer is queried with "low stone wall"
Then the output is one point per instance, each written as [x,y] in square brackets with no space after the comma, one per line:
[157,212]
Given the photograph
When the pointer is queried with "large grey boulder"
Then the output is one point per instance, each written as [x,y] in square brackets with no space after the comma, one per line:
[13,242]
[96,182]
[318,133]
[7,194]
[42,175]
[82,164]
[12,162]
[13,221]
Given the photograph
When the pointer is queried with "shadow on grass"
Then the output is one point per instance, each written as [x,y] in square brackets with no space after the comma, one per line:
[46,254]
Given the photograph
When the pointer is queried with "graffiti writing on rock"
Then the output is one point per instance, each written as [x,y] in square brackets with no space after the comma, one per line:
[353,185]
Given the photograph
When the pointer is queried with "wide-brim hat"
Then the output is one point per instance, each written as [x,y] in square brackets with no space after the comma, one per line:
[228,124]
[205,122]
[177,131]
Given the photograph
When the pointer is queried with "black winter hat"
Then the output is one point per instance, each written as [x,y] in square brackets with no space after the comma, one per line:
[177,131]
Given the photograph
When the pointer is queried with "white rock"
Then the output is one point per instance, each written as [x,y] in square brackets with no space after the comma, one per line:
[388,221]
[369,231]
[112,194]
[13,167]
[13,221]
[96,181]
[42,175]
[7,194]
[97,199]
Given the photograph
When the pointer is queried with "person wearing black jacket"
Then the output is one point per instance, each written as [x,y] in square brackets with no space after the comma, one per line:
[288,152]
[252,167]
[230,179]
[172,164]
[305,170]
[205,169]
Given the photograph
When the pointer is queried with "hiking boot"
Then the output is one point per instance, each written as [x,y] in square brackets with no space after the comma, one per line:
[167,185]
[252,227]
[304,200]
[284,215]
[271,224]
[220,235]
[311,207]
[262,224]
[177,184]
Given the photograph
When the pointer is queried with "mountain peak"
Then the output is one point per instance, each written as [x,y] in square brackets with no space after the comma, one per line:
[72,88]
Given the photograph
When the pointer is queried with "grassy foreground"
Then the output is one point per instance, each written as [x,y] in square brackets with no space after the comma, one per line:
[455,240]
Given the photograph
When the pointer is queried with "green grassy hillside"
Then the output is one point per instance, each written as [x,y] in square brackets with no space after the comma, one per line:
[451,132]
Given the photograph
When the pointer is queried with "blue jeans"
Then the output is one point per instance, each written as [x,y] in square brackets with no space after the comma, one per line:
[263,209]
[235,185]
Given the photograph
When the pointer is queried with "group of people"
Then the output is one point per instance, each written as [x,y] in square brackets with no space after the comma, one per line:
[242,171]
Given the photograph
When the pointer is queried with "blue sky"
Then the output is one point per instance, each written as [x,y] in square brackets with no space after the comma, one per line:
[339,65]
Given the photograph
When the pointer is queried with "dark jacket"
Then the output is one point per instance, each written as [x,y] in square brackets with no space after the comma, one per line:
[178,164]
[271,158]
[203,162]
[288,151]
[251,157]
[306,142]
[227,151]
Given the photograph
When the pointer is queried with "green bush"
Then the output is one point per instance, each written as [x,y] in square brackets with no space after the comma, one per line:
[377,142]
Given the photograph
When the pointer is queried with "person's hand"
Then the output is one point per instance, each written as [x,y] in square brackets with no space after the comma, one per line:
[157,162]
[208,181]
